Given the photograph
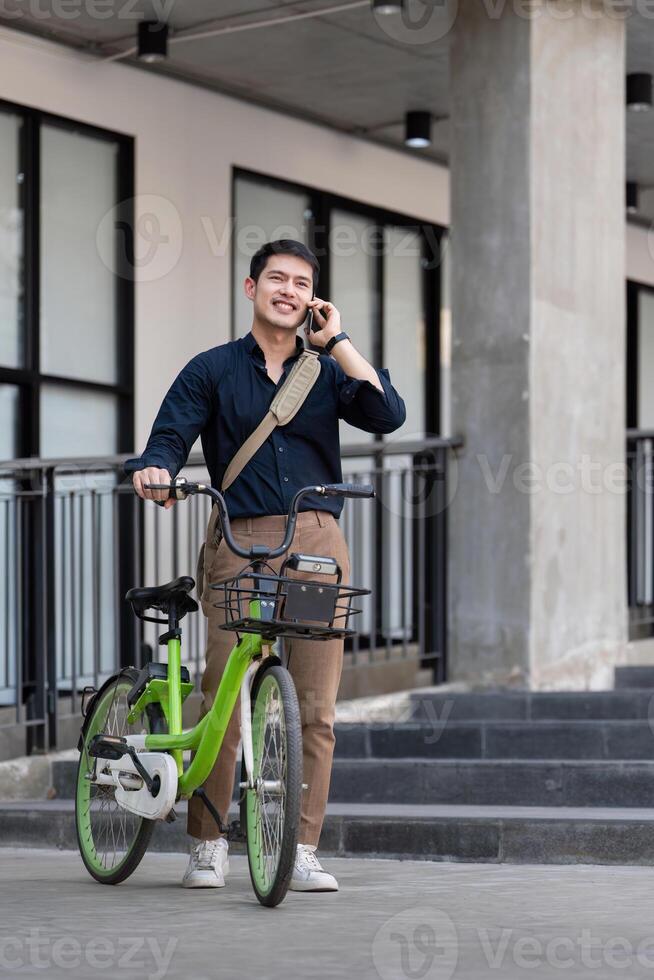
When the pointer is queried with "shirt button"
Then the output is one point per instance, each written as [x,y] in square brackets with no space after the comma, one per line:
[285,479]
[281,449]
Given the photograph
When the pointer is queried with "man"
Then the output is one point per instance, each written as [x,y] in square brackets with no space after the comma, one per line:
[221,395]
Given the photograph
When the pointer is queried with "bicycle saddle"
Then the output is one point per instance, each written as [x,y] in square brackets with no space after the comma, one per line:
[161,596]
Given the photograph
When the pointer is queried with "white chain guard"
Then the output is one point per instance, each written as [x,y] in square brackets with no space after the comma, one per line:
[140,801]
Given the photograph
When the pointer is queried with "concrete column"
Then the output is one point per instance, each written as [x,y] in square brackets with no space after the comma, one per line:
[537,529]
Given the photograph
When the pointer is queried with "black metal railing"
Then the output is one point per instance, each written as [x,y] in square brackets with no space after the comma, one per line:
[640,531]
[74,537]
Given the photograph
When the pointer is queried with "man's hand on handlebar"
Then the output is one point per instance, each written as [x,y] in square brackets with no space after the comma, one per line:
[152,474]
[181,489]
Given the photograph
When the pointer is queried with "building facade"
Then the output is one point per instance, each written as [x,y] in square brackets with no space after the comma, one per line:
[507,294]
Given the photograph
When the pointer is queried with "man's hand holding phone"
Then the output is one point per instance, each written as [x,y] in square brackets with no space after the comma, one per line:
[324,322]
[152,474]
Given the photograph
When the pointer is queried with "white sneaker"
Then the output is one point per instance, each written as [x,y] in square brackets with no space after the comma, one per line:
[308,873]
[208,864]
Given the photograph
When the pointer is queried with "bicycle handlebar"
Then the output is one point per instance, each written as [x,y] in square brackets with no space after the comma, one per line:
[183,489]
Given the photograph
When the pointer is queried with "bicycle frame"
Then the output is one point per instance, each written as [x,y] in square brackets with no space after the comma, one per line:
[206,737]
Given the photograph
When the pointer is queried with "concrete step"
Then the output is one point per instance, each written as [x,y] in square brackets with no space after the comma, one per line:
[493,783]
[634,678]
[475,782]
[446,739]
[517,835]
[621,705]
[553,740]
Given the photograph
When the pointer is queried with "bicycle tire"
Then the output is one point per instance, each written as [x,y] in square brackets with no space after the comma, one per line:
[108,699]
[270,883]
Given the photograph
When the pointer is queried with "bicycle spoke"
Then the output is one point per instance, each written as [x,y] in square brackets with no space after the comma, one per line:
[271,805]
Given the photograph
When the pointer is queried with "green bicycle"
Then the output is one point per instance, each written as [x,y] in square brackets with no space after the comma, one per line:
[131,770]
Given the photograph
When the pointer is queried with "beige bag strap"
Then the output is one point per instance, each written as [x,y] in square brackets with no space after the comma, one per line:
[285,405]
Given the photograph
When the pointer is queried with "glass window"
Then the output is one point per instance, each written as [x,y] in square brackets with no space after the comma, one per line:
[76,422]
[11,243]
[353,289]
[263,213]
[404,325]
[645,359]
[9,418]
[78,291]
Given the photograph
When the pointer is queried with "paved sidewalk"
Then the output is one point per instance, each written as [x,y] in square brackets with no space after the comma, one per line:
[391,921]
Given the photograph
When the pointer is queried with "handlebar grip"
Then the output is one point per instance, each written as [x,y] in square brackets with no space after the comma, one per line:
[177,489]
[348,490]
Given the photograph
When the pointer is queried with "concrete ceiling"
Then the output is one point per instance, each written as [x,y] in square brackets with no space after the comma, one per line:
[353,70]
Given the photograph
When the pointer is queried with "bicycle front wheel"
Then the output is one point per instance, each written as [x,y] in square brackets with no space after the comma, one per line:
[111,840]
[270,812]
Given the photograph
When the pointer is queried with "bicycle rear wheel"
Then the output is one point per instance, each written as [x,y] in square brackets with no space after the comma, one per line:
[111,840]
[270,813]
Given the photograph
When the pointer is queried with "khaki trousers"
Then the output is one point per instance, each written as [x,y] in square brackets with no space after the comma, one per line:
[315,667]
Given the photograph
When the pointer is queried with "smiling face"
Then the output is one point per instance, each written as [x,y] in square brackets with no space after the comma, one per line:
[282,291]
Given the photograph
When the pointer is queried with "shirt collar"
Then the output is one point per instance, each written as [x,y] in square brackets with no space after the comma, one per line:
[254,350]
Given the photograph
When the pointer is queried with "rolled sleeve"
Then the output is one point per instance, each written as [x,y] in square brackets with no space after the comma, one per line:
[364,406]
[142,462]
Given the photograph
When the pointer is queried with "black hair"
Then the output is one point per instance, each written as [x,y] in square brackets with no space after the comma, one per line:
[284,246]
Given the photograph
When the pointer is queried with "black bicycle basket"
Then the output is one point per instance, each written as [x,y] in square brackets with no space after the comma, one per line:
[288,606]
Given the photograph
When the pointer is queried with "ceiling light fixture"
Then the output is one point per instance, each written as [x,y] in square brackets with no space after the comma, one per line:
[153,41]
[387,6]
[639,91]
[417,129]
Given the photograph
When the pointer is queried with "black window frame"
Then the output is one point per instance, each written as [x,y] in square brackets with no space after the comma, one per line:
[633,353]
[29,378]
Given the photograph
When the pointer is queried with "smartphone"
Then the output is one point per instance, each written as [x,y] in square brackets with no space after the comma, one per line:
[312,328]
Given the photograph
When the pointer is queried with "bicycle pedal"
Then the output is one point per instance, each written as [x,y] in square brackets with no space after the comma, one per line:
[112,747]
[234,832]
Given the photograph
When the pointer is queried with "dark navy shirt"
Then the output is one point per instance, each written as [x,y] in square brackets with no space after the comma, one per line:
[222,394]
